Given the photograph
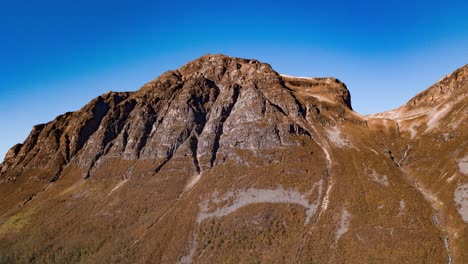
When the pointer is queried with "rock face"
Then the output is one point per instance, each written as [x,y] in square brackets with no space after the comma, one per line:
[224,160]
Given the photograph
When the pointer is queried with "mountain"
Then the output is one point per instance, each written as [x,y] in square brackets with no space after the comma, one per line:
[225,160]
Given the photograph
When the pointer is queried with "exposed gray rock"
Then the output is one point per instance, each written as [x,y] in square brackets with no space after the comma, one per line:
[210,107]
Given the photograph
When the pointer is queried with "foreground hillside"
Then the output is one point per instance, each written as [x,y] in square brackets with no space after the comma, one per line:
[225,160]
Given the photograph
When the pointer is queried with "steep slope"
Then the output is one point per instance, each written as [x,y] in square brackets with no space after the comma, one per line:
[224,160]
[435,131]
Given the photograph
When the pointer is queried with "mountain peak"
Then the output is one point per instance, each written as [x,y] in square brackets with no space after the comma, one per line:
[225,70]
[203,92]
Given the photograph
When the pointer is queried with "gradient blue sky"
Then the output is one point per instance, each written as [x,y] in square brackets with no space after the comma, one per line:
[55,56]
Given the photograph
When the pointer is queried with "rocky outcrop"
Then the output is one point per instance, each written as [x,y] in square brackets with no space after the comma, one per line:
[49,147]
[213,105]
[450,87]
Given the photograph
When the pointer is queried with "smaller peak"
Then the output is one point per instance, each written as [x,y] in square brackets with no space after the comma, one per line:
[328,89]
[448,90]
[321,80]
[451,86]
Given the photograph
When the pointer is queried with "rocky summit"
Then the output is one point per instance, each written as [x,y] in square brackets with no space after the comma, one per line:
[227,161]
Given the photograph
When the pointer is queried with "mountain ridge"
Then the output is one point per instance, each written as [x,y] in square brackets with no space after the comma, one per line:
[410,104]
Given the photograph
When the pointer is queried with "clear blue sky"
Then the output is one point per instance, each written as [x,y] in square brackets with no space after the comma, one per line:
[55,56]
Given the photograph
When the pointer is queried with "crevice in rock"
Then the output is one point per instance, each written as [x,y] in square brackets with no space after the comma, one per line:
[164,109]
[300,108]
[125,137]
[277,107]
[93,161]
[194,148]
[57,175]
[200,121]
[392,158]
[66,155]
[294,128]
[29,199]
[299,130]
[302,112]
[146,131]
[34,153]
[278,134]
[225,113]
[158,169]
[112,131]
[184,135]
[91,126]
